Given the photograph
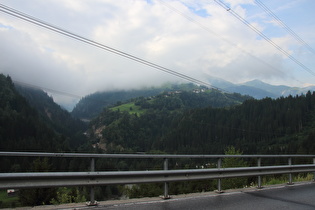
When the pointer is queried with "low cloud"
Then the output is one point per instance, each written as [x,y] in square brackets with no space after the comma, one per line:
[215,44]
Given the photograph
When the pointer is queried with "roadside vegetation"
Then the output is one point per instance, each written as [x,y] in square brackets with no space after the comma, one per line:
[8,201]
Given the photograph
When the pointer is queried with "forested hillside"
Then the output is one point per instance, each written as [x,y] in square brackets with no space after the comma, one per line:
[284,125]
[21,128]
[280,126]
[26,128]
[183,121]
[92,105]
[54,116]
[40,127]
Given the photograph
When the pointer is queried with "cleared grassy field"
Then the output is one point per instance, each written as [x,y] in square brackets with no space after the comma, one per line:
[131,108]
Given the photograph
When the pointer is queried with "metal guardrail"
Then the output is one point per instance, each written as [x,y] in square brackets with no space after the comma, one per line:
[59,179]
[145,156]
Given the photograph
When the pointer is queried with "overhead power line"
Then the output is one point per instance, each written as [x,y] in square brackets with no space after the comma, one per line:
[227,8]
[47,89]
[285,26]
[209,30]
[38,22]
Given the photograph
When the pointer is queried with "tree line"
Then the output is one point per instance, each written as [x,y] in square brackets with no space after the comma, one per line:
[277,126]
[186,123]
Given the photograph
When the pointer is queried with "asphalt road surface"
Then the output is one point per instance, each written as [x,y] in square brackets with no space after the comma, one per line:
[297,197]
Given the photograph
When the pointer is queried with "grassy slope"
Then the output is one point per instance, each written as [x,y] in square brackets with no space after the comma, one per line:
[131,108]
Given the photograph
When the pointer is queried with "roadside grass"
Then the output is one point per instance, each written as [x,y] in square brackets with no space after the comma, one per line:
[68,195]
[270,180]
[8,201]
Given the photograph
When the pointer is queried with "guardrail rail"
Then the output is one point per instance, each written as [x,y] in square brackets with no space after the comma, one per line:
[99,178]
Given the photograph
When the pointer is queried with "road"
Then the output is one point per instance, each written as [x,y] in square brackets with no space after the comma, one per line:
[297,196]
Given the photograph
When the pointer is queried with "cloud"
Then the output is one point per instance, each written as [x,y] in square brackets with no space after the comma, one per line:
[213,44]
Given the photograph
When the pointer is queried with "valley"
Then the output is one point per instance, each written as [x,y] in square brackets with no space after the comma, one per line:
[183,119]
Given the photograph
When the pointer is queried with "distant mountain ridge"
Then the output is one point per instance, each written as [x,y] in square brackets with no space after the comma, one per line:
[188,122]
[259,89]
[92,105]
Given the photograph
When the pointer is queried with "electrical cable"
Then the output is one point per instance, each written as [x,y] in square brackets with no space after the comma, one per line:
[40,23]
[61,31]
[227,8]
[285,26]
[207,29]
[47,89]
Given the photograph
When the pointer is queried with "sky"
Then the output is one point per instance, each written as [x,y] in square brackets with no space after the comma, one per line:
[198,38]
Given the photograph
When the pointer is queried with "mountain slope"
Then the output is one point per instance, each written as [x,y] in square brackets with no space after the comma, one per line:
[92,105]
[252,91]
[259,89]
[141,126]
[276,90]
[276,126]
[53,115]
[21,128]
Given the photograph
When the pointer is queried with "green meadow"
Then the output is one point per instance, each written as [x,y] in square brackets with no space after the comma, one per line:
[131,108]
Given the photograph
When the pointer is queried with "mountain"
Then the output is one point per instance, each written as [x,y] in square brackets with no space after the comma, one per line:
[92,105]
[168,124]
[273,90]
[220,83]
[267,87]
[21,127]
[298,91]
[53,115]
[30,121]
[259,89]
[137,124]
[251,91]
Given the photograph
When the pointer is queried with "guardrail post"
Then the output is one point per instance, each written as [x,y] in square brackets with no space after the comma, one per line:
[92,201]
[219,180]
[290,175]
[166,195]
[259,177]
[314,172]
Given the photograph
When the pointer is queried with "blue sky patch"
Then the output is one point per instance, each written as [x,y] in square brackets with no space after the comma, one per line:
[201,12]
[5,26]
